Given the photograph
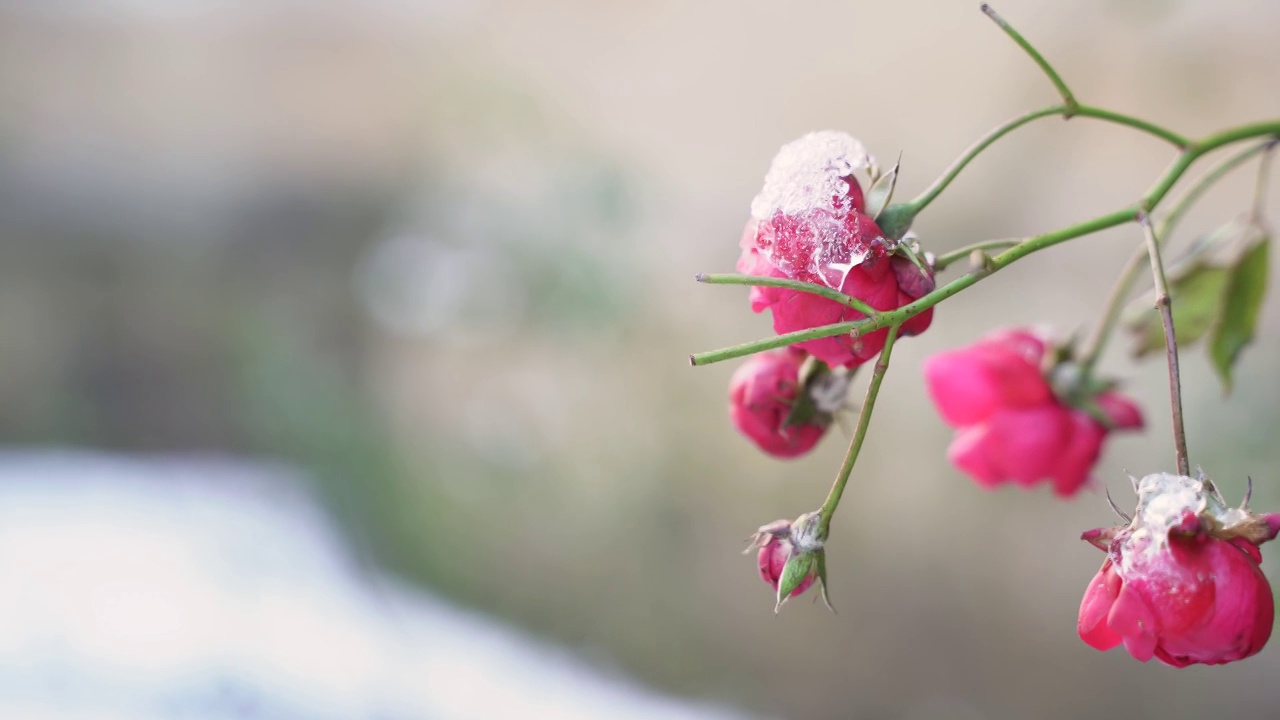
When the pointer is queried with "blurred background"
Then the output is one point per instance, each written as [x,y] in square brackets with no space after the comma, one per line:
[420,273]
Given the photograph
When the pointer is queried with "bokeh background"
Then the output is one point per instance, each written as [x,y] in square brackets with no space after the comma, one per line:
[438,256]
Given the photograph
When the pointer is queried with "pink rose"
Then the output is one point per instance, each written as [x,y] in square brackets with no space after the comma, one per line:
[1182,582]
[809,224]
[1010,424]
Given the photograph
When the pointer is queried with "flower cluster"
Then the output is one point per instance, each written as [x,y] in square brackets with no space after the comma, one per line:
[1182,580]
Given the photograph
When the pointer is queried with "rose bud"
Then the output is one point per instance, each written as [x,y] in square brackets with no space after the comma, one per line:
[791,557]
[784,404]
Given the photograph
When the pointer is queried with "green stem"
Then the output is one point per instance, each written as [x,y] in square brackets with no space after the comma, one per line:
[961,253]
[1202,185]
[934,190]
[1097,342]
[971,152]
[896,317]
[789,284]
[1069,108]
[859,434]
[1180,142]
[1202,147]
[1165,306]
[1068,98]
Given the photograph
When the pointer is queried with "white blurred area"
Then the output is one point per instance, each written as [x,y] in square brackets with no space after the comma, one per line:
[207,588]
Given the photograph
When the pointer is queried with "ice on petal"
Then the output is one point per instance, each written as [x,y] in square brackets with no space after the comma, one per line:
[810,173]
[1164,500]
[807,211]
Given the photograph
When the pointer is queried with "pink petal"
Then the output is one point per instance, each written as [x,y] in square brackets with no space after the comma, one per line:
[1236,619]
[969,384]
[1027,444]
[1131,618]
[969,452]
[1096,605]
[1078,457]
[1123,412]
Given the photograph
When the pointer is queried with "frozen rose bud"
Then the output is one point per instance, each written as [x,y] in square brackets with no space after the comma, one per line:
[769,404]
[1181,582]
[808,223]
[1011,425]
[807,205]
[790,556]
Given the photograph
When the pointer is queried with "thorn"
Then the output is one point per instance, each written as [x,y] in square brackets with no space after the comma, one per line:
[1134,481]
[1248,493]
[1212,488]
[1117,509]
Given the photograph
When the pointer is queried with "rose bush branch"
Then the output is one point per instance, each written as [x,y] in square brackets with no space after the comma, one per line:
[898,217]
[1164,304]
[859,434]
[1147,203]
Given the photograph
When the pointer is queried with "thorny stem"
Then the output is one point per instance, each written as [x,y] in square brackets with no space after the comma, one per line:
[859,434]
[961,253]
[1097,342]
[1165,306]
[1068,98]
[1193,152]
[801,286]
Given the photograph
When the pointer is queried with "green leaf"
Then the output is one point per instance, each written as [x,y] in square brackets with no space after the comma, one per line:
[1198,297]
[1246,287]
[798,567]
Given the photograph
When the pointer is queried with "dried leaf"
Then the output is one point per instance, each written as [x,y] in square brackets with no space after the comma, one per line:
[1245,289]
